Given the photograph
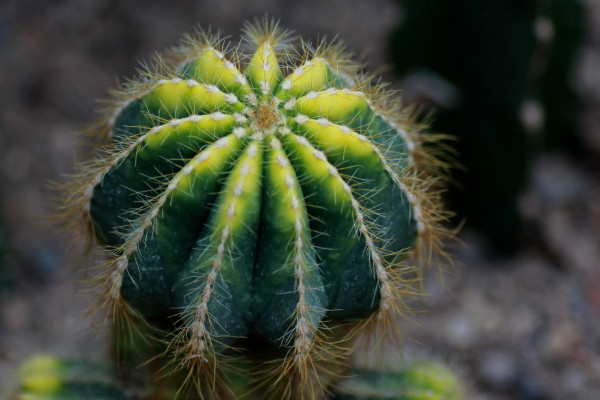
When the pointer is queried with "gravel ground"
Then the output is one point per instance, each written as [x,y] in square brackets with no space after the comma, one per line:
[527,327]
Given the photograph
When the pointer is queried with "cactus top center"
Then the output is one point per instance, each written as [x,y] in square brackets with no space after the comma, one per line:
[266,118]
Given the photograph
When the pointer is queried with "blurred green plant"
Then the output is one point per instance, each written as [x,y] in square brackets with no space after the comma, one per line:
[46,377]
[496,71]
[422,380]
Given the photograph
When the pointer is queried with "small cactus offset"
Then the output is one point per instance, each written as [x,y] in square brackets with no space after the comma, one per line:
[267,205]
[424,380]
[46,377]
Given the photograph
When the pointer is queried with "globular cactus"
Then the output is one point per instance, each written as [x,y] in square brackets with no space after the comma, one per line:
[266,202]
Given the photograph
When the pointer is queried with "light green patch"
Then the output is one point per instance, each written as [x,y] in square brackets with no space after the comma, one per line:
[243,180]
[317,169]
[179,99]
[206,166]
[282,183]
[304,79]
[169,138]
[342,142]
[212,67]
[46,383]
[339,106]
[418,381]
[263,70]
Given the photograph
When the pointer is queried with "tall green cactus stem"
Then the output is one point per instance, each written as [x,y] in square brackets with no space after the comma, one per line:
[274,196]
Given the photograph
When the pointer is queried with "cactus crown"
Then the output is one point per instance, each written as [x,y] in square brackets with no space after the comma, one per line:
[274,196]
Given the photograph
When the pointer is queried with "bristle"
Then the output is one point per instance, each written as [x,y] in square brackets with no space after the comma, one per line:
[267,30]
[305,376]
[192,46]
[430,163]
[340,60]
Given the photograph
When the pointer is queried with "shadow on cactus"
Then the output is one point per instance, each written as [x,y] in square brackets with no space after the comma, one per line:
[265,201]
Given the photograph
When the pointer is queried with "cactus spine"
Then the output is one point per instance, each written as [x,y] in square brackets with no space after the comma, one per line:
[273,198]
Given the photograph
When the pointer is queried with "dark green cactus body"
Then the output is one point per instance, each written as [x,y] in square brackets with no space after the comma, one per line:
[253,203]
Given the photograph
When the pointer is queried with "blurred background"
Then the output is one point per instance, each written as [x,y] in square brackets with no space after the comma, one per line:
[517,82]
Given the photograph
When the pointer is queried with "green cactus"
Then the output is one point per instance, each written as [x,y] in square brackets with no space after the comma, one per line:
[45,377]
[265,203]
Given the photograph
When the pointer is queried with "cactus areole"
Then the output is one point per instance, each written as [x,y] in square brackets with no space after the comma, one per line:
[272,193]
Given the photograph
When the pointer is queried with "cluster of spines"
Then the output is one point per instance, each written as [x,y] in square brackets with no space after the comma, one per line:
[414,178]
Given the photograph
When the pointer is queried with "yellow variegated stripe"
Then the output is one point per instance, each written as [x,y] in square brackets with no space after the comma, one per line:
[245,178]
[340,106]
[317,168]
[206,165]
[310,76]
[288,292]
[212,67]
[340,142]
[210,158]
[263,69]
[177,98]
[203,128]
[282,180]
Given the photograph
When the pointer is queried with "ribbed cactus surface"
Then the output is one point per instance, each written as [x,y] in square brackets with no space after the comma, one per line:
[259,191]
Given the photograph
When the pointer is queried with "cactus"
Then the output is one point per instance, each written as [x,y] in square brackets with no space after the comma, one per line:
[46,377]
[268,206]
